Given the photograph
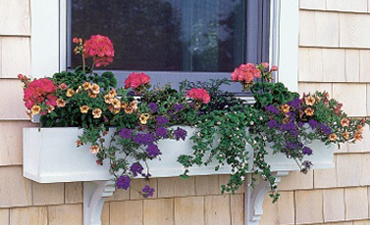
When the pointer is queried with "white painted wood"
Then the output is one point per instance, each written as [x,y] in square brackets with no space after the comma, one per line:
[285,21]
[51,155]
[44,37]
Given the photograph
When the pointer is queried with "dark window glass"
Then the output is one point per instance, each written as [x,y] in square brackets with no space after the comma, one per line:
[204,36]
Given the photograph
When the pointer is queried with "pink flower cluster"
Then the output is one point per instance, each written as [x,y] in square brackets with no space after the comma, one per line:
[245,73]
[199,94]
[136,80]
[100,48]
[38,91]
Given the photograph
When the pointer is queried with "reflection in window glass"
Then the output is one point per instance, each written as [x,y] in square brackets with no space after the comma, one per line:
[166,35]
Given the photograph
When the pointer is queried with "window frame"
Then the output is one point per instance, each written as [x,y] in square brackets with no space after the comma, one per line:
[49,39]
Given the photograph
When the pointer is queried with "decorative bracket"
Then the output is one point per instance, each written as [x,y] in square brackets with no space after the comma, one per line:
[254,199]
[95,193]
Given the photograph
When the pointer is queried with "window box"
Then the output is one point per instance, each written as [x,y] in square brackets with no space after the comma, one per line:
[51,155]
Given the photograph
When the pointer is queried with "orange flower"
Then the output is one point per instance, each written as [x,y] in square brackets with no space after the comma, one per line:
[86,86]
[133,104]
[94,149]
[108,98]
[124,104]
[61,102]
[35,109]
[70,93]
[326,95]
[358,136]
[78,143]
[50,108]
[92,95]
[116,111]
[309,111]
[129,110]
[333,137]
[95,89]
[97,113]
[285,108]
[345,122]
[346,135]
[84,109]
[113,92]
[310,101]
[116,103]
[360,128]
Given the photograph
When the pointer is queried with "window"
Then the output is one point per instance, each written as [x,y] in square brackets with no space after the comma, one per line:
[49,41]
[175,39]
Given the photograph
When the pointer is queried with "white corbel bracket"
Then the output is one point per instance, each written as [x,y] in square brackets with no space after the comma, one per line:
[254,197]
[95,193]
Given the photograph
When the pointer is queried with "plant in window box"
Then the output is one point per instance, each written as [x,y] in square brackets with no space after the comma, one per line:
[127,132]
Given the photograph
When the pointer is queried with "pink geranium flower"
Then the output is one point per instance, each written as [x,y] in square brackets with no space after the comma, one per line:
[136,80]
[199,94]
[38,91]
[100,48]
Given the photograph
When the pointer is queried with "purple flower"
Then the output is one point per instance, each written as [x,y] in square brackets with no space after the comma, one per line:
[123,182]
[295,103]
[307,151]
[300,124]
[147,191]
[180,134]
[152,151]
[307,164]
[152,106]
[162,120]
[289,127]
[313,123]
[125,133]
[144,139]
[272,124]
[326,129]
[272,108]
[136,169]
[178,107]
[161,132]
[290,145]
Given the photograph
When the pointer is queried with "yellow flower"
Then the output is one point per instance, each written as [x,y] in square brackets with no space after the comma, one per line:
[129,110]
[95,89]
[346,135]
[333,137]
[285,108]
[108,99]
[61,102]
[309,111]
[133,104]
[79,89]
[124,104]
[35,109]
[50,108]
[70,93]
[113,92]
[94,149]
[92,95]
[358,136]
[310,101]
[86,86]
[116,111]
[84,109]
[116,103]
[144,118]
[97,113]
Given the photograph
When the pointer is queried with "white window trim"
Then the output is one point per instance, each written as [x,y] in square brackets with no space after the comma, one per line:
[49,34]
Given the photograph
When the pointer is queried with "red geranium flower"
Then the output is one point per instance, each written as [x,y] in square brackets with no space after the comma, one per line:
[199,94]
[100,48]
[136,80]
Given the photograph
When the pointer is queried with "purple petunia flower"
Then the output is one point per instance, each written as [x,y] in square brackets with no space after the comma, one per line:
[178,107]
[326,129]
[153,106]
[289,127]
[162,120]
[147,191]
[125,133]
[152,150]
[123,182]
[272,108]
[180,134]
[313,123]
[307,151]
[136,169]
[272,124]
[144,139]
[295,103]
[161,132]
[307,164]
